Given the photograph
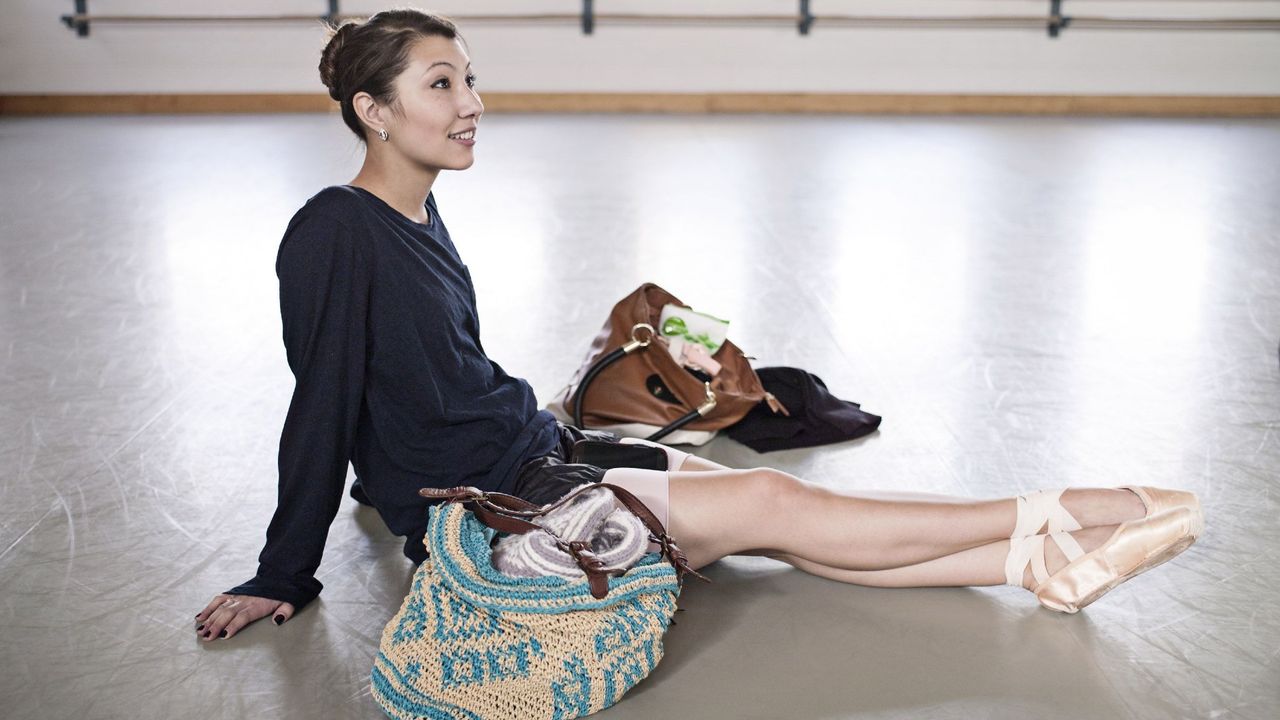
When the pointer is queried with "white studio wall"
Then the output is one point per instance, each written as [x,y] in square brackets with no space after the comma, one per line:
[40,55]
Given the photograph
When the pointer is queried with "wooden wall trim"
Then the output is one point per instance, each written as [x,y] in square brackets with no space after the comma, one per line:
[835,103]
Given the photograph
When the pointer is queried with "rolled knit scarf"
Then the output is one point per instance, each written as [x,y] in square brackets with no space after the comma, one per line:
[616,535]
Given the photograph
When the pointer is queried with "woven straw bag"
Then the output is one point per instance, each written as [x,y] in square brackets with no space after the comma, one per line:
[472,643]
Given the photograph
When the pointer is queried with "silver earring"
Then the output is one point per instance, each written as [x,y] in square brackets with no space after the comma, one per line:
[383,134]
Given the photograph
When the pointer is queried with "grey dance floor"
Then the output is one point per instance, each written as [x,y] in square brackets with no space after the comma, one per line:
[1028,302]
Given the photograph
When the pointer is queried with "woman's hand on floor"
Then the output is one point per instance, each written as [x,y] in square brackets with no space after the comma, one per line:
[226,614]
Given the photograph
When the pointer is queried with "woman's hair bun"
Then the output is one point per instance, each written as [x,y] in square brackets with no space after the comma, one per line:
[337,37]
[366,56]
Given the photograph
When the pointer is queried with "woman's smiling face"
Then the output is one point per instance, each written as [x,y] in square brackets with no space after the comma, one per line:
[438,108]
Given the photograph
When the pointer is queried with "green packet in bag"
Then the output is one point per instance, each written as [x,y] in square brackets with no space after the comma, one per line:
[684,325]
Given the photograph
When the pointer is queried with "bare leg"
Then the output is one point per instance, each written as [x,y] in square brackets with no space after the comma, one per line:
[715,513]
[1092,506]
[982,565]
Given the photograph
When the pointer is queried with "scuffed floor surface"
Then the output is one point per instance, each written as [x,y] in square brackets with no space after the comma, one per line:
[1028,302]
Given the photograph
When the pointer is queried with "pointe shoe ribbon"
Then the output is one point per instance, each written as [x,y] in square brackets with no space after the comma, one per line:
[1135,547]
[1037,508]
[1030,550]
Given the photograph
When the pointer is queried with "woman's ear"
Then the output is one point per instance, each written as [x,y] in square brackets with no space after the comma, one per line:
[368,111]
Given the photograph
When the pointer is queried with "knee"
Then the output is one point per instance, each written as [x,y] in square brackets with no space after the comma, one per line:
[720,514]
[774,506]
[775,489]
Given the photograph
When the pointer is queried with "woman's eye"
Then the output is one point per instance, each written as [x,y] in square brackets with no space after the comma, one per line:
[443,83]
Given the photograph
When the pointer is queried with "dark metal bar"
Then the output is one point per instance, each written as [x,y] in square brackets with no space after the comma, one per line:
[588,17]
[991,22]
[80,21]
[806,17]
[70,20]
[1178,24]
[1057,22]
[332,16]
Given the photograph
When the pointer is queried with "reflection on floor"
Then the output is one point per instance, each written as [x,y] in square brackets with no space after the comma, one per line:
[1028,302]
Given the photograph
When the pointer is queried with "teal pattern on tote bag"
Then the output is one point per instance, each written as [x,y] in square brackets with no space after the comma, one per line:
[472,643]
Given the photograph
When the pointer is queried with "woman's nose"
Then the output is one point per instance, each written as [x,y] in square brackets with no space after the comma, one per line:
[471,106]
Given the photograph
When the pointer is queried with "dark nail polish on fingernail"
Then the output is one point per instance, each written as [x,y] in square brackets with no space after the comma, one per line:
[201,627]
[223,634]
[279,619]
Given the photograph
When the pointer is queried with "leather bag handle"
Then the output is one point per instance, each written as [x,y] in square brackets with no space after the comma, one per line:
[510,514]
[580,393]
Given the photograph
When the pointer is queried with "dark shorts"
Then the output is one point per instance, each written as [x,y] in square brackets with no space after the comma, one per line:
[545,479]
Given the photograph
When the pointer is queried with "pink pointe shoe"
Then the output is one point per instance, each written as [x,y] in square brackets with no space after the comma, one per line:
[1041,511]
[1134,548]
[1158,500]
[1173,522]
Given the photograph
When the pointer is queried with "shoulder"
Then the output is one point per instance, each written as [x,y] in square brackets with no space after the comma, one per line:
[334,211]
[336,202]
[325,227]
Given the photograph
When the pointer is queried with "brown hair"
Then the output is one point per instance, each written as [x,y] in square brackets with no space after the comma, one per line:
[367,56]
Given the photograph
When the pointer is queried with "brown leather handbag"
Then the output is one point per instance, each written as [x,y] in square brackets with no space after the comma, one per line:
[630,377]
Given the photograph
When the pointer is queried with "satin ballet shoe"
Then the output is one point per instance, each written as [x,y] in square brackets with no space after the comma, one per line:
[1036,509]
[1030,550]
[1159,500]
[1135,547]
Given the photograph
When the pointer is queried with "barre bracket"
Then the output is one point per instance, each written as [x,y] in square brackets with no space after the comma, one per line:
[806,17]
[75,23]
[1057,21]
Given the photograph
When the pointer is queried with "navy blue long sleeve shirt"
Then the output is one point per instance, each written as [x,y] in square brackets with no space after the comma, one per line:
[383,338]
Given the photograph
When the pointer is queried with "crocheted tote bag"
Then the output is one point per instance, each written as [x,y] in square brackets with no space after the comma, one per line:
[472,643]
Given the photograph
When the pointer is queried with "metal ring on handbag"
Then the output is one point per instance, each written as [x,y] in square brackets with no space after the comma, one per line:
[636,343]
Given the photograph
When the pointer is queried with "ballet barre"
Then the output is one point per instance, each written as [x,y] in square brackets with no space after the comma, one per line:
[1054,22]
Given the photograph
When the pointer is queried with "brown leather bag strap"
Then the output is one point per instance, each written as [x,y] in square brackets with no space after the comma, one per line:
[592,565]
[514,505]
[499,511]
[597,572]
[636,506]
[501,522]
[510,514]
[510,505]
[672,551]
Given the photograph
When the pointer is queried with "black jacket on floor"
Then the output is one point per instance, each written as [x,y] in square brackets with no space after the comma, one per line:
[816,416]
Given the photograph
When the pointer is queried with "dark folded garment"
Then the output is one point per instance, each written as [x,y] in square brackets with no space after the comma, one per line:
[618,455]
[816,416]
